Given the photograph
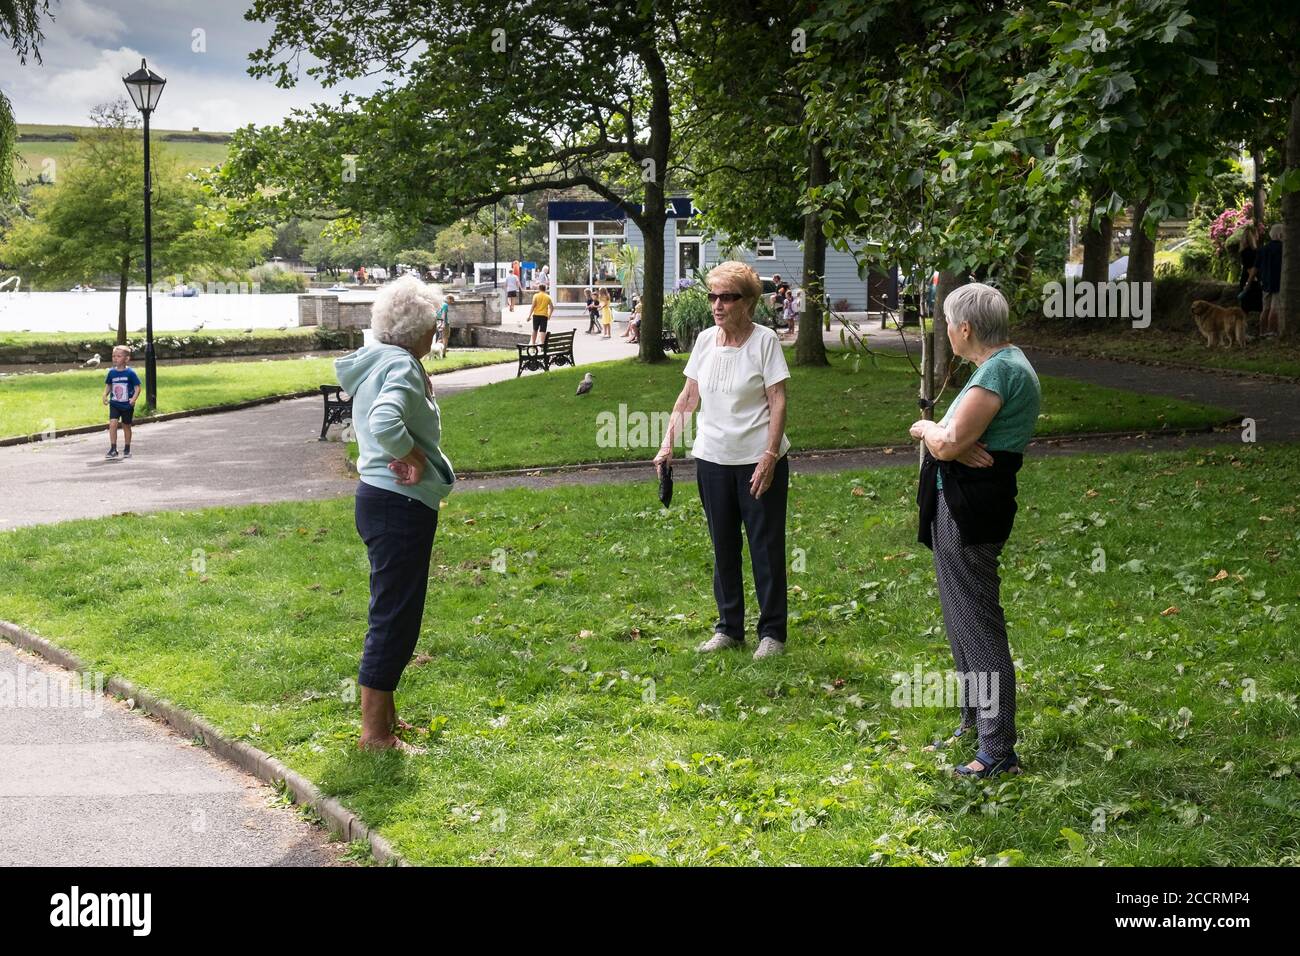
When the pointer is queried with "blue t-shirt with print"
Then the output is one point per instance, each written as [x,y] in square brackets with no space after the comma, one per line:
[122,384]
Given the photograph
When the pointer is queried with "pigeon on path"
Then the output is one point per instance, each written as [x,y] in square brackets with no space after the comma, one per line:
[585,385]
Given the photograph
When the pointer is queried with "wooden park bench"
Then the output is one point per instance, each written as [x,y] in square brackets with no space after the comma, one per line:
[337,408]
[556,350]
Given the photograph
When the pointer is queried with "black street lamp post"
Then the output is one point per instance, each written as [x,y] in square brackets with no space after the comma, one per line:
[519,211]
[494,246]
[145,87]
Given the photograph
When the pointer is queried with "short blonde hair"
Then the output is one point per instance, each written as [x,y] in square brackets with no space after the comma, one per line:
[742,276]
[122,348]
[405,311]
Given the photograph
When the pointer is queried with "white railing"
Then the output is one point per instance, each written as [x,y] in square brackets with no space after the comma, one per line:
[16,280]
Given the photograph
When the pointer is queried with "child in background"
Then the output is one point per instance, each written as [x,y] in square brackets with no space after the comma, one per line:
[606,313]
[121,389]
[791,312]
[593,314]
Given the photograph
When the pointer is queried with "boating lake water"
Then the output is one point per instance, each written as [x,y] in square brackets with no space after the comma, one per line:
[97,311]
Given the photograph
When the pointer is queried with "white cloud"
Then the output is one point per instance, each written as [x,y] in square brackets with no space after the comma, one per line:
[80,18]
[92,45]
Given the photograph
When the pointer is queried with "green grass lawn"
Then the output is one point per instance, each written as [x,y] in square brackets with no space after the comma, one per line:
[537,419]
[572,723]
[69,399]
[1162,345]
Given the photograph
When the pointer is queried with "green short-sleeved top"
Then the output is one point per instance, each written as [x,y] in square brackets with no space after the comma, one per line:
[1008,374]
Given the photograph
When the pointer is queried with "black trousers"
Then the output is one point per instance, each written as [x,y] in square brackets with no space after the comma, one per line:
[398,533]
[724,492]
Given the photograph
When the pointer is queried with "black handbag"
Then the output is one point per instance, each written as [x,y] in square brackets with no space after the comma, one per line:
[666,485]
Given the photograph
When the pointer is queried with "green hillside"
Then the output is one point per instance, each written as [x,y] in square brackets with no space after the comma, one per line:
[38,142]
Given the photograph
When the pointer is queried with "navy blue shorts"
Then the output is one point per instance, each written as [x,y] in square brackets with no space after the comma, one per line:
[398,533]
[123,413]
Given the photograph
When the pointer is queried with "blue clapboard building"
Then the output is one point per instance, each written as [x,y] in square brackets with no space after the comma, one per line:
[585,236]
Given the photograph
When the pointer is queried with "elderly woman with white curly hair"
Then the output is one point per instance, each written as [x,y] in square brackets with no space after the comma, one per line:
[967,497]
[404,478]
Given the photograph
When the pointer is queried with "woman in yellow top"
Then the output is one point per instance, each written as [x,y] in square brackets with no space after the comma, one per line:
[606,312]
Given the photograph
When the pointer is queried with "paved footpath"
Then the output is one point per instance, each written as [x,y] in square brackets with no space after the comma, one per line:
[97,785]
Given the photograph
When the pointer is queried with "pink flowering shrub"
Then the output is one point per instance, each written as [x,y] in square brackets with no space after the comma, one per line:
[1228,223]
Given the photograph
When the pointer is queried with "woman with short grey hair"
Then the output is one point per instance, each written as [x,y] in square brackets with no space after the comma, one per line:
[404,478]
[967,498]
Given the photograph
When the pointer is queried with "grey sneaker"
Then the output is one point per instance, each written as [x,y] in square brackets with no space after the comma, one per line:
[719,642]
[769,647]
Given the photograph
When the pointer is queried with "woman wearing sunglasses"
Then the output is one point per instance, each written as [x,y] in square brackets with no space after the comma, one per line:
[736,377]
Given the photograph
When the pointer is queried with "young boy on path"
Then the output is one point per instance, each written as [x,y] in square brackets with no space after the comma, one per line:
[121,389]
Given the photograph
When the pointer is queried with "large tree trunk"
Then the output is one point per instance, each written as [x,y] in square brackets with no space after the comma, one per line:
[1141,250]
[1096,249]
[1289,294]
[121,300]
[659,122]
[1257,210]
[652,300]
[810,349]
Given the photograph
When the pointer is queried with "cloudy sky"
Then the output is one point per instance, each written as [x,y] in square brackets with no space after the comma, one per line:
[92,44]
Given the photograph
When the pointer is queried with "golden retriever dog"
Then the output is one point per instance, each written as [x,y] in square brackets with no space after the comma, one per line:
[1218,324]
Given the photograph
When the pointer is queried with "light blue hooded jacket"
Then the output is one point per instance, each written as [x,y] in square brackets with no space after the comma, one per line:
[391,414]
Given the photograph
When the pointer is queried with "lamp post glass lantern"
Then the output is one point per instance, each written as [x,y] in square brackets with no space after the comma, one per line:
[145,87]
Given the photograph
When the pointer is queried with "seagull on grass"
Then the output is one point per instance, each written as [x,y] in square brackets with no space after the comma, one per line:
[92,361]
[585,385]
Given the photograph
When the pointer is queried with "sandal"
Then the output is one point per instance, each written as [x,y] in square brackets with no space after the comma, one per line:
[992,768]
[951,739]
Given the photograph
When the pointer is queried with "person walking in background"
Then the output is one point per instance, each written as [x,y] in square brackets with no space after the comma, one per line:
[1270,281]
[404,476]
[1249,291]
[541,311]
[736,375]
[791,311]
[442,332]
[593,313]
[512,290]
[967,502]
